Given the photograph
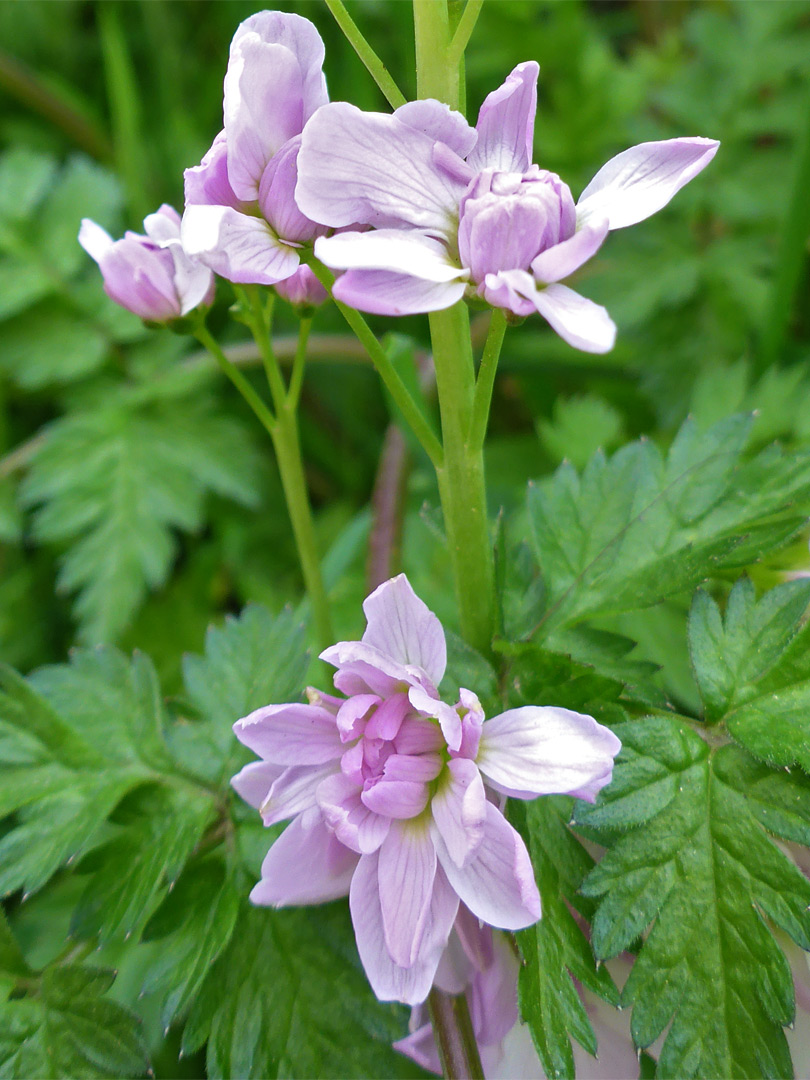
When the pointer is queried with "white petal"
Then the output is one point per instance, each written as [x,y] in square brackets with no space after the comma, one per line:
[236,246]
[95,240]
[459,809]
[403,627]
[579,321]
[640,181]
[381,292]
[389,249]
[407,869]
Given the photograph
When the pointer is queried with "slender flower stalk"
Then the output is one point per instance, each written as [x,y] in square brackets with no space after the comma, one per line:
[486,378]
[282,426]
[373,64]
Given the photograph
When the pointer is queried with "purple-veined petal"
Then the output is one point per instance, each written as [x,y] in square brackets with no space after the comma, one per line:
[400,799]
[410,253]
[293,792]
[440,123]
[390,981]
[352,823]
[365,669]
[306,865]
[417,767]
[418,736]
[236,246]
[561,260]
[350,719]
[381,292]
[545,750]
[448,717]
[95,240]
[193,280]
[579,321]
[263,108]
[506,123]
[293,734]
[302,39]
[640,181]
[373,169]
[276,198]
[254,781]
[207,184]
[402,626]
[459,809]
[406,872]
[497,883]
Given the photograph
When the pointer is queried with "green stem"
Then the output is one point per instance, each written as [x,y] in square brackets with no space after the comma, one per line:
[299,362]
[461,478]
[388,373]
[283,430]
[374,65]
[463,33]
[455,1039]
[792,256]
[486,379]
[434,76]
[259,318]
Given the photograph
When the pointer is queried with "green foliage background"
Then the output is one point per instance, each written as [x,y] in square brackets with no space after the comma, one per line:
[642,577]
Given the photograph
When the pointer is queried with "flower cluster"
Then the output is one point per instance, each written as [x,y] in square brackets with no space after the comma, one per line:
[395,797]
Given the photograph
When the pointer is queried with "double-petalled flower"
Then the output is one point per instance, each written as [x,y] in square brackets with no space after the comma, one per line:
[241,218]
[395,796]
[462,211]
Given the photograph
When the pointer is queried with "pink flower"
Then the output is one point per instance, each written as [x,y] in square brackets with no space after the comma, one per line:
[151,275]
[394,794]
[460,212]
[241,218]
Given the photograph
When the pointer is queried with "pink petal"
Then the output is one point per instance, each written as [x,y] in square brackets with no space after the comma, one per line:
[403,626]
[351,715]
[236,246]
[276,200]
[406,872]
[390,981]
[163,226]
[293,792]
[373,169]
[364,669]
[420,1046]
[640,181]
[506,123]
[449,720]
[207,184]
[497,884]
[255,780]
[353,823]
[400,799]
[459,809]
[263,108]
[381,292]
[440,123]
[561,260]
[578,321]
[304,42]
[418,737]
[410,253]
[293,734]
[387,717]
[306,865]
[546,750]
[421,767]
[95,240]
[493,995]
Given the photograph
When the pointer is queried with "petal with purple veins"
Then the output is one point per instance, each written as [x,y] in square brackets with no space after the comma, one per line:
[582,323]
[506,123]
[300,36]
[293,791]
[403,626]
[459,809]
[561,260]
[440,123]
[401,252]
[236,246]
[381,292]
[406,872]
[352,823]
[293,734]
[640,181]
[254,781]
[306,865]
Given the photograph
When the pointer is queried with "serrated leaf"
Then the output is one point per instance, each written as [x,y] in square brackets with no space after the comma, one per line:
[700,868]
[635,529]
[12,962]
[128,874]
[116,483]
[49,345]
[555,948]
[581,426]
[194,924]
[269,1007]
[752,668]
[70,1029]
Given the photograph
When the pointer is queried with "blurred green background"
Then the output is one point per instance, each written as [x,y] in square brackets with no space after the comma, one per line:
[137,500]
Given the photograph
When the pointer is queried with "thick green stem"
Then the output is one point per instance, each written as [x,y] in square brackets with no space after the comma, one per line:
[455,1039]
[463,32]
[486,379]
[283,430]
[461,478]
[388,373]
[435,78]
[374,66]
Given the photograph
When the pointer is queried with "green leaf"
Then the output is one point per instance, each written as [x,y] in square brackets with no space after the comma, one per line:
[752,668]
[48,345]
[129,874]
[68,1028]
[25,177]
[555,948]
[698,867]
[12,962]
[638,528]
[194,924]
[269,1007]
[581,426]
[115,484]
